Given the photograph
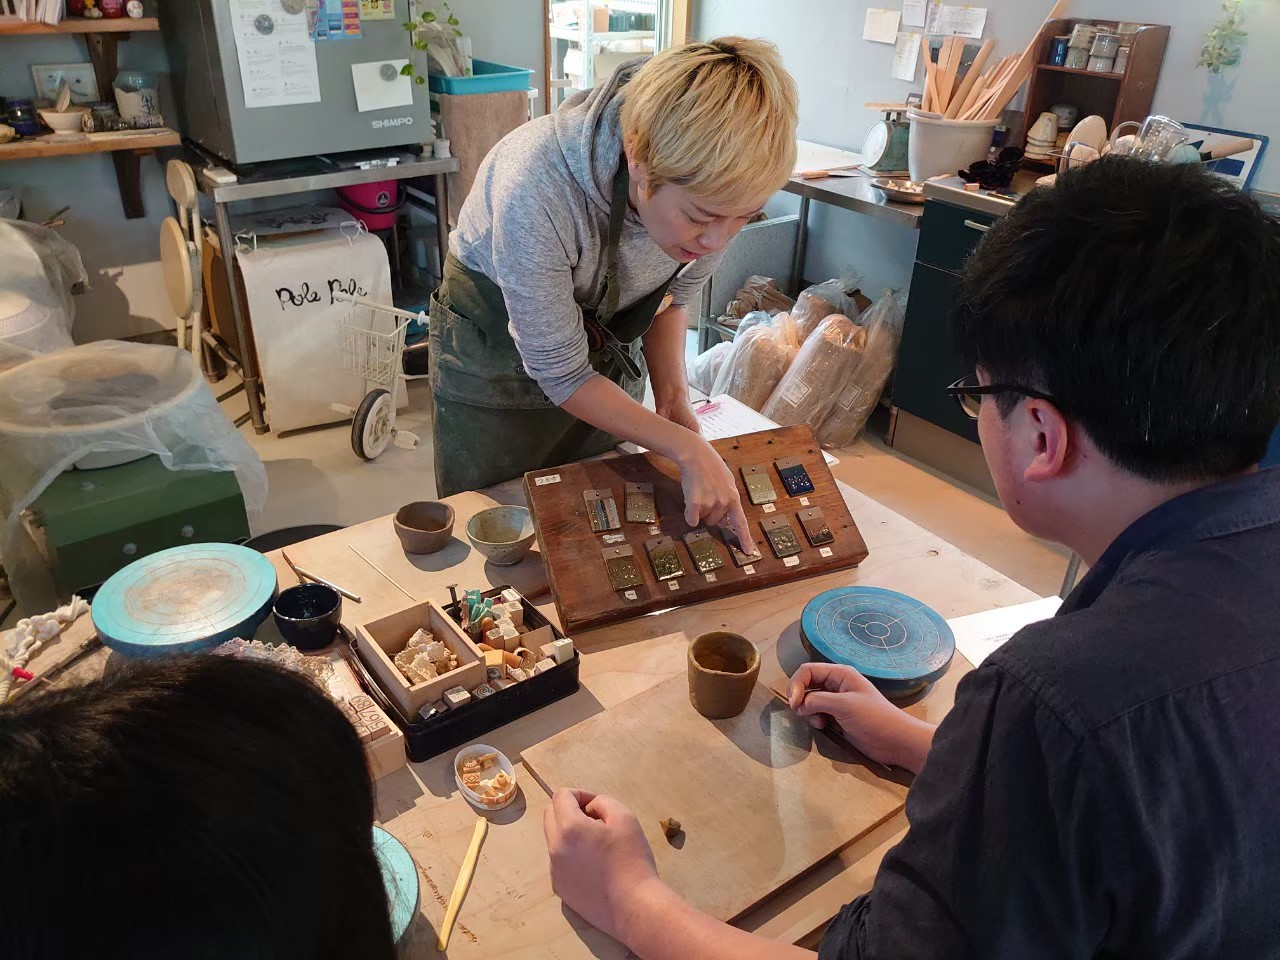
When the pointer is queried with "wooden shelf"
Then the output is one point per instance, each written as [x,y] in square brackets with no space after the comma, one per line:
[1079,73]
[80,25]
[38,147]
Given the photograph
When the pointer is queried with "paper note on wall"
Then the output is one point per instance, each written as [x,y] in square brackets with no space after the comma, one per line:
[962,20]
[913,12]
[881,26]
[906,53]
[380,85]
[276,55]
[377,10]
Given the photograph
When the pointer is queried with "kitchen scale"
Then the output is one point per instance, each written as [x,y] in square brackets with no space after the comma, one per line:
[884,151]
[898,643]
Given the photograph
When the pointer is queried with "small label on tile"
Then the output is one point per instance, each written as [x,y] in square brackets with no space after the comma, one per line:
[673,584]
[615,538]
[630,595]
[825,551]
[655,531]
[749,569]
[804,501]
[549,478]
[791,562]
[770,508]
[711,577]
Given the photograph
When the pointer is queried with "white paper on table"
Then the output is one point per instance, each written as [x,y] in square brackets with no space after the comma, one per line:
[906,54]
[961,20]
[725,417]
[376,91]
[815,156]
[277,56]
[981,634]
[913,12]
[881,25]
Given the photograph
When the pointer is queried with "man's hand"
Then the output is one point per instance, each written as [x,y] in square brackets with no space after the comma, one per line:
[601,864]
[842,695]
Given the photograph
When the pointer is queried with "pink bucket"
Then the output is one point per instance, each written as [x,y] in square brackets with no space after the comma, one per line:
[375,204]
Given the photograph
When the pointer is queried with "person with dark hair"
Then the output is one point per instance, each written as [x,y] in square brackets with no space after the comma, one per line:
[205,808]
[1106,783]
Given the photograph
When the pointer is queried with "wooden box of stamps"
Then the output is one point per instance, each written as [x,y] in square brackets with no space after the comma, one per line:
[616,545]
[426,737]
[383,639]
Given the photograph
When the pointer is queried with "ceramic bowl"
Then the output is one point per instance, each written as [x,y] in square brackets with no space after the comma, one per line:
[69,121]
[723,669]
[502,534]
[425,526]
[308,615]
[503,764]
[1091,130]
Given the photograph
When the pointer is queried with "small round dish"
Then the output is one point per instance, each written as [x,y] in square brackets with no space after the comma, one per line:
[502,534]
[899,191]
[502,764]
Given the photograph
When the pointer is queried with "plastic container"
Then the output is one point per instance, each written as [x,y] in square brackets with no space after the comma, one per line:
[939,146]
[488,77]
[374,204]
[478,750]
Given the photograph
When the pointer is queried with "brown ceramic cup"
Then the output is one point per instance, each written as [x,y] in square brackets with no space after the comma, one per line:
[723,668]
[425,526]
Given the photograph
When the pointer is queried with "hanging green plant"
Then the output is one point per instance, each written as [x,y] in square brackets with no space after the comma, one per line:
[1222,44]
[437,35]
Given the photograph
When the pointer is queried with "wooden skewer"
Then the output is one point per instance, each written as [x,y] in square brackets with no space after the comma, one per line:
[381,571]
[970,80]
[463,884]
[305,575]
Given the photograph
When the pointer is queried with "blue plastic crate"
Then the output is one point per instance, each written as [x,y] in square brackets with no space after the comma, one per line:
[489,78]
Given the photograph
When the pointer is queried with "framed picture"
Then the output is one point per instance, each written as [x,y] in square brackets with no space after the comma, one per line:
[1239,168]
[78,76]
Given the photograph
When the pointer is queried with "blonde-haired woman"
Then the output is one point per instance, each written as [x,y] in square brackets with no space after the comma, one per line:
[584,237]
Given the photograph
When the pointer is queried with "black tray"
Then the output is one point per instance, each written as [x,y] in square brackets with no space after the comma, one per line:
[425,739]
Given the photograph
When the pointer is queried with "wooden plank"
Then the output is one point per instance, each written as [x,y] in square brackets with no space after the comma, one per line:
[573,552]
[949,63]
[1022,70]
[80,25]
[970,79]
[30,148]
[761,797]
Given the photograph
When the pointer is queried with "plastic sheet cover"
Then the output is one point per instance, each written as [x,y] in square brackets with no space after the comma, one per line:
[38,270]
[108,398]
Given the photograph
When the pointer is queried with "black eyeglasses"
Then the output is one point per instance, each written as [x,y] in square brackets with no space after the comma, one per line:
[968,393]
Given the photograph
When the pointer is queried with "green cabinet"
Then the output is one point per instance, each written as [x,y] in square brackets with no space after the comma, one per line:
[927,359]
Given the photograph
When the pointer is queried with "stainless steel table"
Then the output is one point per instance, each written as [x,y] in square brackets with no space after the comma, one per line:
[257,187]
[853,193]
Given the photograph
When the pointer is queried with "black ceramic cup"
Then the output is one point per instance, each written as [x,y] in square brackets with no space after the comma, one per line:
[308,615]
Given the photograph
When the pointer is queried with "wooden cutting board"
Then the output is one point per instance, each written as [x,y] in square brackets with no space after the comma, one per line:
[761,797]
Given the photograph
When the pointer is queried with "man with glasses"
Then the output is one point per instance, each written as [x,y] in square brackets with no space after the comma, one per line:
[1106,784]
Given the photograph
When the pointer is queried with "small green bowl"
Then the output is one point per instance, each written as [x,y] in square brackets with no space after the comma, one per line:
[503,535]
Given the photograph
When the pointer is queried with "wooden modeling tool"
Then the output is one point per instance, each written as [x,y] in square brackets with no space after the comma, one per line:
[830,729]
[462,885]
[382,572]
[304,576]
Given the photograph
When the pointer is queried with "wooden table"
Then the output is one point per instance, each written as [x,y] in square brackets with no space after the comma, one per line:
[420,805]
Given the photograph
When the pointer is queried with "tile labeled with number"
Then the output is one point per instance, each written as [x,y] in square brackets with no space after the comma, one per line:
[795,478]
[815,526]
[621,567]
[663,557]
[640,505]
[781,537]
[702,547]
[759,488]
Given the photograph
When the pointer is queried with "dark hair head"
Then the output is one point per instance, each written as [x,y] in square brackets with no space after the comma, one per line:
[199,808]
[1145,298]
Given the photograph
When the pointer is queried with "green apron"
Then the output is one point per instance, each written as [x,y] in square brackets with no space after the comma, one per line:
[492,420]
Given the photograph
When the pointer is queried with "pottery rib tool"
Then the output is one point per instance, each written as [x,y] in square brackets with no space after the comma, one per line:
[382,572]
[970,79]
[463,883]
[304,575]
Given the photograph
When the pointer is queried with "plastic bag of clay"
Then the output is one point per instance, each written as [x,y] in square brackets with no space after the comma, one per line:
[809,389]
[853,406]
[720,382]
[761,355]
[704,367]
[758,293]
[819,301]
[38,270]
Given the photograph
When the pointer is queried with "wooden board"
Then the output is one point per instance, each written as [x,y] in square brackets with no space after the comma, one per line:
[761,797]
[573,553]
[47,146]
